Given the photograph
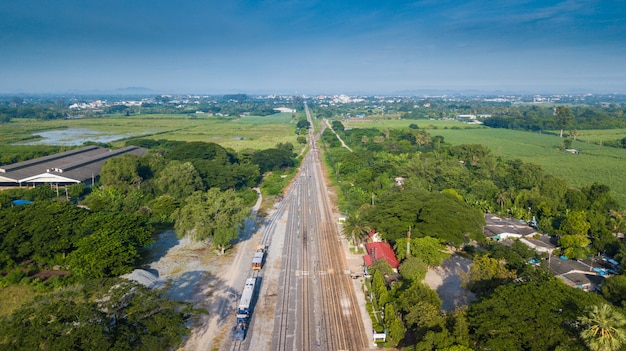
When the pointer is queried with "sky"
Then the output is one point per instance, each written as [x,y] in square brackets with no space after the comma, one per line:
[313,47]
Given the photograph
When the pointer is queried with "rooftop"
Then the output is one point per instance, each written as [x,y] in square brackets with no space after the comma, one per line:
[74,166]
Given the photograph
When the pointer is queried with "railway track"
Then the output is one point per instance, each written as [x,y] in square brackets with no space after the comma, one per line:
[344,323]
[305,340]
[327,314]
[282,322]
[265,241]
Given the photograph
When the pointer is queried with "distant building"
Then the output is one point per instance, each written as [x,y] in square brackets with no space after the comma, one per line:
[70,167]
[465,118]
[285,110]
[399,181]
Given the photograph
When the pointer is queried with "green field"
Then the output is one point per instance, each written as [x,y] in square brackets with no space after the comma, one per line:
[603,135]
[404,123]
[595,163]
[241,133]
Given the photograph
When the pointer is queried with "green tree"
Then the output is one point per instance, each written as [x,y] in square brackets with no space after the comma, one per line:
[122,172]
[355,226]
[459,326]
[614,289]
[379,289]
[303,124]
[106,198]
[562,118]
[338,126]
[575,223]
[428,249]
[456,348]
[413,269]
[112,245]
[485,274]
[604,328]
[381,265]
[420,306]
[272,159]
[428,213]
[179,180]
[212,215]
[100,315]
[575,246]
[397,330]
[162,208]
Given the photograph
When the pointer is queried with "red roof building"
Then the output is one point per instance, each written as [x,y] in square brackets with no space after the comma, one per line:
[380,250]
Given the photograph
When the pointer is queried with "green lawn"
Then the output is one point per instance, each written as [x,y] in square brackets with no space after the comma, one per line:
[595,163]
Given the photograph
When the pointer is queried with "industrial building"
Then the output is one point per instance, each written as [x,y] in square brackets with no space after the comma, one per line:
[81,165]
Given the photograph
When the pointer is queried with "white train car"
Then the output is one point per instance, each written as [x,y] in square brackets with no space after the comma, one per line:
[244,310]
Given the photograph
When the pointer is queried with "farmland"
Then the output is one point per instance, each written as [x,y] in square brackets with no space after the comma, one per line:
[240,133]
[595,163]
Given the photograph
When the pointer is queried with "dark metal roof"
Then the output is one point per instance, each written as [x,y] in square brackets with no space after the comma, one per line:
[72,166]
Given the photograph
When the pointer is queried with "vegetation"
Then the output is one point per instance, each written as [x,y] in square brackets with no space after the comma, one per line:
[397,180]
[401,175]
[65,258]
[604,328]
[98,315]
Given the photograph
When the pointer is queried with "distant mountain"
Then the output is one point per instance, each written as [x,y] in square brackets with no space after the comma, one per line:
[135,90]
[118,91]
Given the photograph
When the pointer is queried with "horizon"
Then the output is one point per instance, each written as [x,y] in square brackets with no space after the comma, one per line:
[321,47]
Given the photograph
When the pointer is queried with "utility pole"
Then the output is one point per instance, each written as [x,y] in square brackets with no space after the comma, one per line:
[408,243]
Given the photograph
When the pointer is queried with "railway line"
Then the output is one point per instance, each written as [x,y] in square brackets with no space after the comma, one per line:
[316,308]
[339,302]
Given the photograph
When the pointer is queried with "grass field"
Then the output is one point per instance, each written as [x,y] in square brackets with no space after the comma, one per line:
[14,296]
[595,163]
[245,132]
[603,135]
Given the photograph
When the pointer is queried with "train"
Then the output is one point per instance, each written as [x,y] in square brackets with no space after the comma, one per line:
[239,331]
[259,256]
[246,303]
[244,310]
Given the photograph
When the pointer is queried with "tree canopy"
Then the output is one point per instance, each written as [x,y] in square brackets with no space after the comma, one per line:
[438,215]
[212,215]
[116,315]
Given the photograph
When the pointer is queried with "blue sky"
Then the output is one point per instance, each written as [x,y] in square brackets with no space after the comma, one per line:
[313,47]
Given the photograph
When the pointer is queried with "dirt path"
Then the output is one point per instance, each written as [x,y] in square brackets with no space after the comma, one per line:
[446,281]
[194,272]
[337,135]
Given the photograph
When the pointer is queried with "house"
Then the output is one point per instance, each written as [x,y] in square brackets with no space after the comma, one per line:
[374,237]
[575,273]
[500,229]
[465,118]
[399,181]
[380,250]
[572,151]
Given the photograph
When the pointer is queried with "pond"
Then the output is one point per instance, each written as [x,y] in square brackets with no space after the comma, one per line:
[73,137]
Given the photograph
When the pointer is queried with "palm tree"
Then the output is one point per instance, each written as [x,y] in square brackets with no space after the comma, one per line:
[355,226]
[502,199]
[604,328]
